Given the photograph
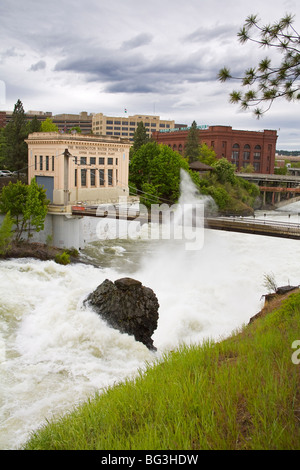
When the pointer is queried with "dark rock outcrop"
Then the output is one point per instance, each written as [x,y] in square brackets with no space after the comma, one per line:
[127,306]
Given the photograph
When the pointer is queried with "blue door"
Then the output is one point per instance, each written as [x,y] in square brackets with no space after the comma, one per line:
[47,182]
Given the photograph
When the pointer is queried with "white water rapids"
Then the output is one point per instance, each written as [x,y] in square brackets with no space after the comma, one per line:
[55,352]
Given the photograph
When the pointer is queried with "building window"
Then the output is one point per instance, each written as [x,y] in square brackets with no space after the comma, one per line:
[52,163]
[47,163]
[93,161]
[235,154]
[110,161]
[41,162]
[83,177]
[35,162]
[75,178]
[110,177]
[109,122]
[246,154]
[257,152]
[101,177]
[256,166]
[93,179]
[82,160]
[101,161]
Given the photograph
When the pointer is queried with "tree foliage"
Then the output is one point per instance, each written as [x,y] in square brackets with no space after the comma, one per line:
[27,206]
[48,126]
[191,150]
[6,234]
[15,133]
[207,154]
[140,137]
[267,82]
[155,172]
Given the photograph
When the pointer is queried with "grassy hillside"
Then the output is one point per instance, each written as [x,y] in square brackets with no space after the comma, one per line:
[241,393]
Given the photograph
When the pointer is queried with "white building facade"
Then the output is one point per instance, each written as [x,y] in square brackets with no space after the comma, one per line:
[79,168]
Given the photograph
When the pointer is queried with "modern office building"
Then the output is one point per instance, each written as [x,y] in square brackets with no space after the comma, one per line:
[78,168]
[240,147]
[126,126]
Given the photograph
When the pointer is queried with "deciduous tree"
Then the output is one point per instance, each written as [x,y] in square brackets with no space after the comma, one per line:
[48,126]
[27,206]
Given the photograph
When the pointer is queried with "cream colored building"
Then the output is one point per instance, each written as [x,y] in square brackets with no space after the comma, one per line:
[79,168]
[126,126]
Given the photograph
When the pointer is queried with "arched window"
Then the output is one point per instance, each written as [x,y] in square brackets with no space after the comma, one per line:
[235,154]
[257,152]
[246,154]
[180,148]
[175,147]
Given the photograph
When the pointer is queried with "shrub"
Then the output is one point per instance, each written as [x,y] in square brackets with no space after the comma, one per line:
[63,258]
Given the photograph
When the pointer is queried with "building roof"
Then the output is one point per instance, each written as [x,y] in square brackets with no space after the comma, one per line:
[199,166]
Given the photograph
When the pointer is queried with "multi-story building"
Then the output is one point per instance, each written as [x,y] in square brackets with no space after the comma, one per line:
[78,168]
[242,148]
[126,126]
[64,122]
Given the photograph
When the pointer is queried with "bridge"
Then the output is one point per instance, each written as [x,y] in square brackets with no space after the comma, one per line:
[233,224]
[277,190]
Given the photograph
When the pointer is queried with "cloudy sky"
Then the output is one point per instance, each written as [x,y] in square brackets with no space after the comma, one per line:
[150,57]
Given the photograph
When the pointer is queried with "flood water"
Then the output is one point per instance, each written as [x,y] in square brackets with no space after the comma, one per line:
[55,352]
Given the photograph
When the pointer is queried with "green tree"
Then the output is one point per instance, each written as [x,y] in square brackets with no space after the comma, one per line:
[225,171]
[155,172]
[36,207]
[140,137]
[48,126]
[207,154]
[191,151]
[34,125]
[6,234]
[267,82]
[76,129]
[27,206]
[15,134]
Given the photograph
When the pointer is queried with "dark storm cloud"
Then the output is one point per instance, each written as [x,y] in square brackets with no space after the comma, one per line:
[120,71]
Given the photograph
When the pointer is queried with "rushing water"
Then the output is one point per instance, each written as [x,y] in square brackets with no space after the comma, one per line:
[55,352]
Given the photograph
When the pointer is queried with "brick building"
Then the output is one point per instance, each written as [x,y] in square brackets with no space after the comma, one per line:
[241,148]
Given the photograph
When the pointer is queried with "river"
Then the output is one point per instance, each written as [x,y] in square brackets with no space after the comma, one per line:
[55,352]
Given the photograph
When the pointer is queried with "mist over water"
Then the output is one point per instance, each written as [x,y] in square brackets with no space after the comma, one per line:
[55,352]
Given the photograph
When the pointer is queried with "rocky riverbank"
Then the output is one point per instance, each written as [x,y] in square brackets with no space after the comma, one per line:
[38,251]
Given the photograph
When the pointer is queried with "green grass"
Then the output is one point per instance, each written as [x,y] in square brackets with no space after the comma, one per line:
[242,393]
